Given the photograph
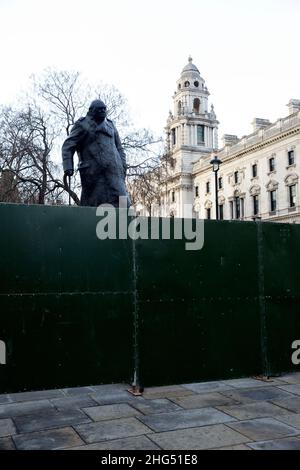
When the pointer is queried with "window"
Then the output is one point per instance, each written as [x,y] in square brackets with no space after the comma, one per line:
[220,181]
[272,164]
[237,204]
[187,83]
[254,170]
[236,176]
[291,157]
[173,196]
[255,205]
[231,209]
[200,134]
[273,200]
[292,195]
[221,212]
[196,191]
[196,84]
[208,213]
[173,137]
[196,106]
[179,107]
[208,187]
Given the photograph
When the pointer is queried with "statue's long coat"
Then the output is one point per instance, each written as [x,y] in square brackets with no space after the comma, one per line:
[102,161]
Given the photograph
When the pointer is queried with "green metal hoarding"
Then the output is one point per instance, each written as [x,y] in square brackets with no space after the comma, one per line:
[76,310]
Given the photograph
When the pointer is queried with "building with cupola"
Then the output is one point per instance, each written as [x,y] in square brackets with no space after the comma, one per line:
[258,178]
[191,133]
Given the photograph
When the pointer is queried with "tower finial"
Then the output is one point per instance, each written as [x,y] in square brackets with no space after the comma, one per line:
[190,59]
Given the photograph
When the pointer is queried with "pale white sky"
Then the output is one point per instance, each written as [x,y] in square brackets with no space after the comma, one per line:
[246,50]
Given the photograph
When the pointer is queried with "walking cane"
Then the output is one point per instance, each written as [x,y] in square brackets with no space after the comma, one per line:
[67,185]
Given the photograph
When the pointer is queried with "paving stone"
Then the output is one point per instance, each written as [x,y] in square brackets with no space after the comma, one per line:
[291,404]
[24,408]
[250,383]
[50,419]
[203,400]
[108,430]
[263,429]
[292,388]
[74,402]
[287,443]
[31,396]
[106,398]
[158,405]
[5,398]
[77,391]
[204,387]
[7,427]
[253,410]
[292,378]
[110,388]
[205,437]
[250,395]
[6,443]
[107,412]
[237,447]
[48,440]
[291,418]
[167,392]
[185,419]
[130,443]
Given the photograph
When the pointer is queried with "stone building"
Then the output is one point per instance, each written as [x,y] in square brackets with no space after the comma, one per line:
[258,177]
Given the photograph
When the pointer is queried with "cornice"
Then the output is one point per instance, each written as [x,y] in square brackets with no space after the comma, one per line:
[193,120]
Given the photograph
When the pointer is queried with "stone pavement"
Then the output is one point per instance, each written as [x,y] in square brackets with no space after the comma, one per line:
[229,414]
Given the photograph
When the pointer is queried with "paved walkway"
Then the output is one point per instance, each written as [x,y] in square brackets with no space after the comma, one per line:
[228,414]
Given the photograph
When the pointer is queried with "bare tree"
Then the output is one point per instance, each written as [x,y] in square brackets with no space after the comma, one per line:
[149,182]
[27,140]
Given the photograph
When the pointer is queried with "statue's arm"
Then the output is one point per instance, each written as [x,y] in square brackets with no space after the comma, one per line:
[70,145]
[121,151]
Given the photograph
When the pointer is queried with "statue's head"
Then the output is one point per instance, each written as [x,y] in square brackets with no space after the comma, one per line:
[97,110]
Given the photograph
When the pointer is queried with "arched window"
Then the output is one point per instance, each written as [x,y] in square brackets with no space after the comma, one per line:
[187,83]
[196,106]
[179,107]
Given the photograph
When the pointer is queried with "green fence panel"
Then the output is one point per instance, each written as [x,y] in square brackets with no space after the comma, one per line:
[66,300]
[199,310]
[281,272]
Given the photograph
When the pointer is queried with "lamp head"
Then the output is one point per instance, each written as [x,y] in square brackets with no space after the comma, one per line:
[215,162]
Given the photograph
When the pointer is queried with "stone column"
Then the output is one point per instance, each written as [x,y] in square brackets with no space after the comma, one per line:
[205,137]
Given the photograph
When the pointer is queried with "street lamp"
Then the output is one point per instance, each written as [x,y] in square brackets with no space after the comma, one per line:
[216,165]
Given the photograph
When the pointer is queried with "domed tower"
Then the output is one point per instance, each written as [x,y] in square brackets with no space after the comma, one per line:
[192,132]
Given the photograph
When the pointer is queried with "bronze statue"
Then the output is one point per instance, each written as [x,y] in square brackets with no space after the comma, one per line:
[102,160]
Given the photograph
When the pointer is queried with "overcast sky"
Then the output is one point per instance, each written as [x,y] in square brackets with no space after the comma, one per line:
[246,50]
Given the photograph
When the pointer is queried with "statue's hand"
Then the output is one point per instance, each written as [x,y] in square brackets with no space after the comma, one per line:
[69,172]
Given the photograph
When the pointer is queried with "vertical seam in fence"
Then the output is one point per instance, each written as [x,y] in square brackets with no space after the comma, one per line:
[262,301]
[136,358]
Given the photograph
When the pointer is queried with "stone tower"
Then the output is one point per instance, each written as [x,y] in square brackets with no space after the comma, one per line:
[191,133]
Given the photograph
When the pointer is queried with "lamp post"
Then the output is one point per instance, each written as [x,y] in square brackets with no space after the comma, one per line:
[216,165]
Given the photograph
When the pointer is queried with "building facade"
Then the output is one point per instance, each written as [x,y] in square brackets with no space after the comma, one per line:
[259,174]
